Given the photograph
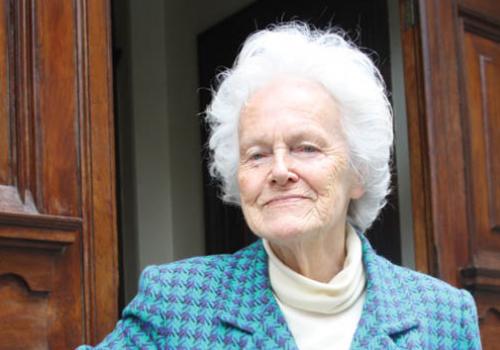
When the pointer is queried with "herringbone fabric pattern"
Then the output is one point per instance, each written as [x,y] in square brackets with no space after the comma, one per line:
[225,302]
[433,314]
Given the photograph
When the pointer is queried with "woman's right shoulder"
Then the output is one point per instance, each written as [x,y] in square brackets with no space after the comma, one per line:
[195,268]
[194,272]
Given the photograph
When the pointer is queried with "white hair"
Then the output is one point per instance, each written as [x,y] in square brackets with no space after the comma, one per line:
[324,56]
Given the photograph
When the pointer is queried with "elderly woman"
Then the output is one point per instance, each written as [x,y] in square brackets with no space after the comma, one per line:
[301,135]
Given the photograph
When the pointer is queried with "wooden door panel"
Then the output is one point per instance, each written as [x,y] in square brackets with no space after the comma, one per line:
[57,200]
[481,62]
[489,319]
[43,99]
[55,109]
[40,286]
[452,73]
[40,282]
[27,310]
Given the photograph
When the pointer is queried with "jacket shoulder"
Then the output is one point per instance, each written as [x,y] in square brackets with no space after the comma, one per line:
[198,275]
[425,287]
[171,298]
[440,307]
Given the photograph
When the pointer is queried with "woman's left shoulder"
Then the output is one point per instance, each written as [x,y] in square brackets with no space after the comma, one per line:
[433,292]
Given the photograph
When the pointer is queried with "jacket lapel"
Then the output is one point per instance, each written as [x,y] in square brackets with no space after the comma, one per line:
[388,312]
[250,305]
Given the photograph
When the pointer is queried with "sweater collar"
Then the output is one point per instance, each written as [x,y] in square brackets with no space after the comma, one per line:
[250,306]
[305,294]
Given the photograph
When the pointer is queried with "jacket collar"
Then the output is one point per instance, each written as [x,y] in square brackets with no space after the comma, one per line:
[249,305]
[388,312]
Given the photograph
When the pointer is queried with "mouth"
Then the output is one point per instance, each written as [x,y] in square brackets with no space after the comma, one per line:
[285,199]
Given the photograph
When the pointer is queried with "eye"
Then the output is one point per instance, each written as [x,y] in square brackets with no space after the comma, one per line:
[256,156]
[307,149]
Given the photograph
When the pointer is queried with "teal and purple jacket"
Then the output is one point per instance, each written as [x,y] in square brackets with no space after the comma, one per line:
[226,302]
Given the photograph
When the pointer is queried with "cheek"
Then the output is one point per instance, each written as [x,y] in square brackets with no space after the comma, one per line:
[330,181]
[249,186]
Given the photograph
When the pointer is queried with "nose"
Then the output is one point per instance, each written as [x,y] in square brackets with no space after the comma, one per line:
[281,173]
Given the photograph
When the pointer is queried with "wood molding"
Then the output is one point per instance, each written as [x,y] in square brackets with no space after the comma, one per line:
[42,221]
[29,286]
[36,238]
[480,24]
[33,255]
[5,100]
[481,279]
[487,9]
[411,35]
[26,139]
[97,142]
[490,312]
[56,244]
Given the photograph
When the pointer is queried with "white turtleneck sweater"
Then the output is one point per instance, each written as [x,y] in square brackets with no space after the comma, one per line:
[319,315]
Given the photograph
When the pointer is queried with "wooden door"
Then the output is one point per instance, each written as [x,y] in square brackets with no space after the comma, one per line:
[58,250]
[452,59]
[366,21]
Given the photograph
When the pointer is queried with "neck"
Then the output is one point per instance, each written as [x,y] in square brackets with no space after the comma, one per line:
[319,258]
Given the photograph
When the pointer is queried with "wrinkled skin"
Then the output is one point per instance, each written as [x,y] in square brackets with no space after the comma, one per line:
[294,176]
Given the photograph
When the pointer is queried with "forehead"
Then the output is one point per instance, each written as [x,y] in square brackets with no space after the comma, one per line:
[289,101]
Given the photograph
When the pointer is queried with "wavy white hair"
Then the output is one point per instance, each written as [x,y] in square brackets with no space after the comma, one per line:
[350,76]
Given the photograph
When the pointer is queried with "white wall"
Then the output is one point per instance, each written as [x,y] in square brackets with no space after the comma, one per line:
[401,138]
[151,133]
[184,21]
[166,130]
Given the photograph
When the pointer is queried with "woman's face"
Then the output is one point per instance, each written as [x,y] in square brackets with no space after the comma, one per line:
[294,177]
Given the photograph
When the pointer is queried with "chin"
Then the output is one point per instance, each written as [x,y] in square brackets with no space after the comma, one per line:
[283,233]
[283,225]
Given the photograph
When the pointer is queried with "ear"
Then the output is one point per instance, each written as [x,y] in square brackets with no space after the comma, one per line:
[357,188]
[357,191]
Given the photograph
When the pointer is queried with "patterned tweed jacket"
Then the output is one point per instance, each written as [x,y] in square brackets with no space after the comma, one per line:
[225,302]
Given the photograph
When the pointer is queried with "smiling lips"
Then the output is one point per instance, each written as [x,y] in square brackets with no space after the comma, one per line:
[284,199]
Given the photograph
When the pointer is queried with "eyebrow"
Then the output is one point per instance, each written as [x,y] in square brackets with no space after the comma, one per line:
[313,134]
[308,133]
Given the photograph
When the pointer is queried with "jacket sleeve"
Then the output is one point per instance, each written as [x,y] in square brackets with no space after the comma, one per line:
[141,319]
[470,338]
